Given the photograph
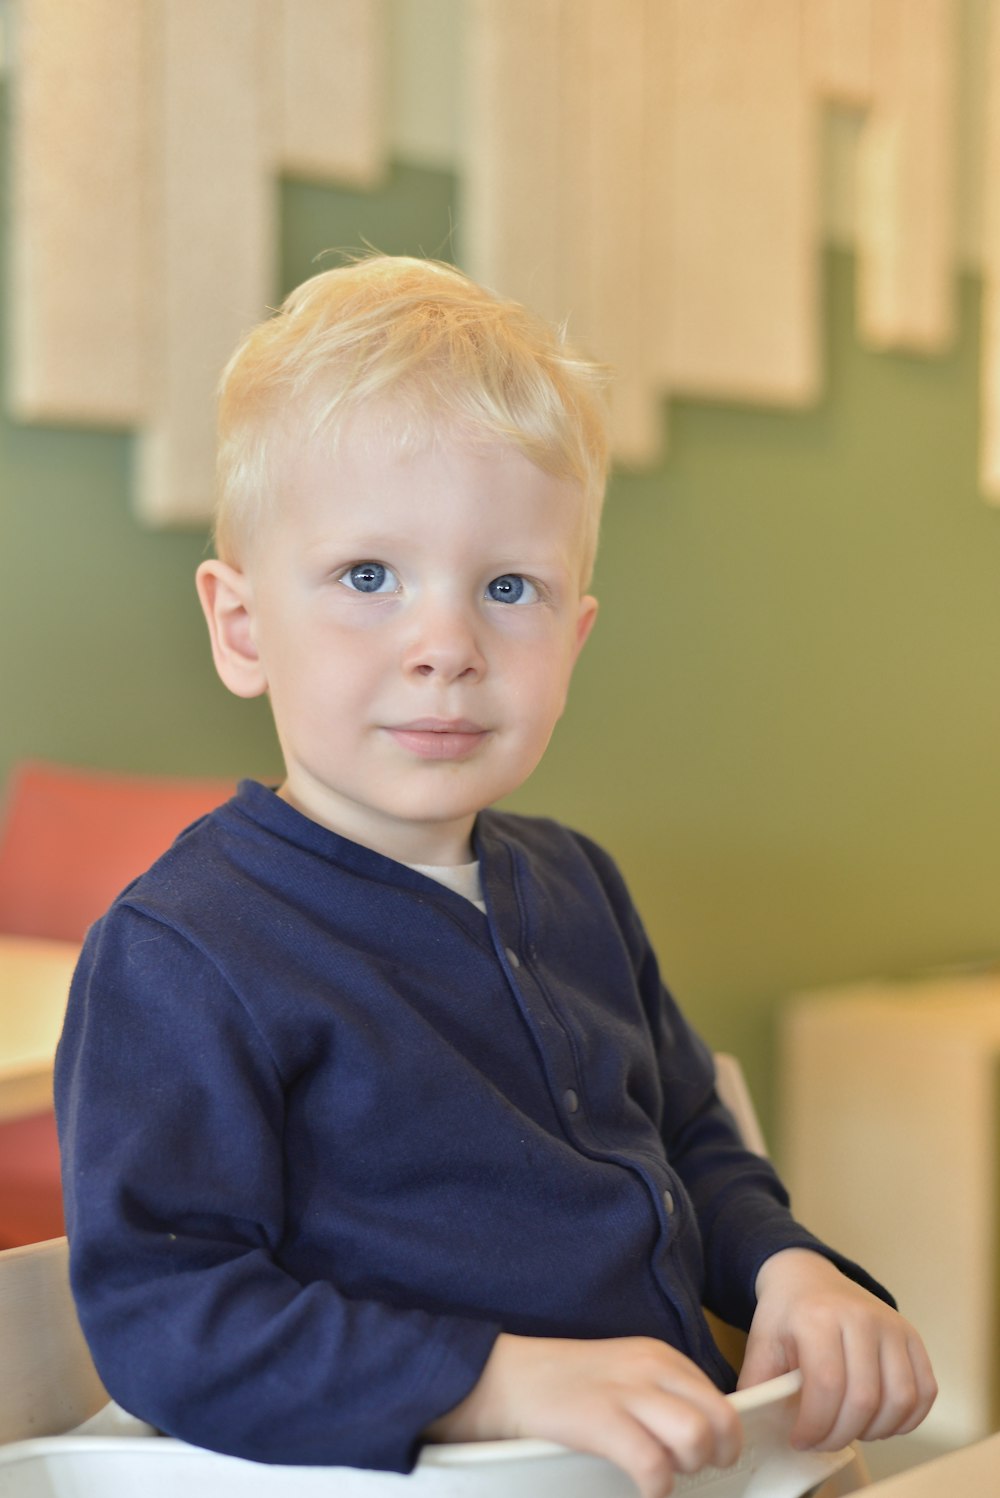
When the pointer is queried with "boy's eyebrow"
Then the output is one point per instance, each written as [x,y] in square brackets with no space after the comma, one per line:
[362,544]
[365,545]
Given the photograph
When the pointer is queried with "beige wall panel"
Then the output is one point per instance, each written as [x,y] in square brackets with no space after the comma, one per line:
[658,224]
[79,245]
[214,271]
[989,437]
[605,167]
[839,48]
[906,204]
[554,205]
[330,58]
[600,277]
[580,261]
[512,202]
[743,263]
[425,51]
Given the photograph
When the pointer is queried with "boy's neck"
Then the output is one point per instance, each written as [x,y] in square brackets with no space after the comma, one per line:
[434,845]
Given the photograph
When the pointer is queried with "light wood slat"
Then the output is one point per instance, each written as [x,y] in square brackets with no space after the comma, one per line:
[556,169]
[512,206]
[742,255]
[577,287]
[839,49]
[601,182]
[658,226]
[906,204]
[331,66]
[989,437]
[615,184]
[79,225]
[215,207]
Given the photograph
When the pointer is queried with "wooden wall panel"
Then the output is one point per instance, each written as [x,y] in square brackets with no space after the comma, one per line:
[330,66]
[907,206]
[839,49]
[648,169]
[512,202]
[606,166]
[214,273]
[147,137]
[742,269]
[78,348]
[554,206]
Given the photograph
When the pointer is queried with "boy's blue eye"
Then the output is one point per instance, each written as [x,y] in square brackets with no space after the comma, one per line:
[370,577]
[511,588]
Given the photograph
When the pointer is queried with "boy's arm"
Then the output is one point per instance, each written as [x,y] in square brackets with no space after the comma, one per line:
[170,1111]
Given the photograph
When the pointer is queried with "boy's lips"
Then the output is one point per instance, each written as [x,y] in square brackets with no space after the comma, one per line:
[439,738]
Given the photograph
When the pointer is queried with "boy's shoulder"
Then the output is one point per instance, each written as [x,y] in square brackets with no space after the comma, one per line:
[184,865]
[212,857]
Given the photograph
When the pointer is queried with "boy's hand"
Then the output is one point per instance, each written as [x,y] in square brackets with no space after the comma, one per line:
[865,1372]
[636,1401]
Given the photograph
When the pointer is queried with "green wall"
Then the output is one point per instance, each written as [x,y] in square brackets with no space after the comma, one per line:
[786,725]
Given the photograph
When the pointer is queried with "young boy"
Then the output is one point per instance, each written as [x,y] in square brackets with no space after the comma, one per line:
[378,1123]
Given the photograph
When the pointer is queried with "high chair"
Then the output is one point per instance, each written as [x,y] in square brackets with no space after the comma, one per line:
[49,1387]
[48,1382]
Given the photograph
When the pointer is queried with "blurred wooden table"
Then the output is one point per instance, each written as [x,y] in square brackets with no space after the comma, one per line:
[973,1472]
[34,983]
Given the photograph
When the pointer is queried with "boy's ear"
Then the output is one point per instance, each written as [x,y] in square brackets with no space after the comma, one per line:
[585,621]
[226,600]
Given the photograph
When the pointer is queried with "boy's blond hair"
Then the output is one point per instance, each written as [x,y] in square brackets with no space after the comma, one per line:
[423,343]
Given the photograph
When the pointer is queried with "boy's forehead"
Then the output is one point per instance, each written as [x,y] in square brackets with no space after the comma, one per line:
[365,457]
[373,474]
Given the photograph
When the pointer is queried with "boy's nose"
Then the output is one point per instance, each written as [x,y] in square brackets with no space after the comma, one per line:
[445,645]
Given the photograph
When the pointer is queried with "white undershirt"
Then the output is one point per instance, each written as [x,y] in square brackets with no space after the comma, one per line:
[463,878]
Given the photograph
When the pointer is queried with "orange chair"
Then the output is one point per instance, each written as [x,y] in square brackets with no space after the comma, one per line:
[70,840]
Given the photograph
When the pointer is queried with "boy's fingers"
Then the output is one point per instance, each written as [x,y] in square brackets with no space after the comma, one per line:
[927,1388]
[697,1431]
[909,1389]
[860,1387]
[626,1441]
[764,1359]
[898,1391]
[824,1381]
[865,1390]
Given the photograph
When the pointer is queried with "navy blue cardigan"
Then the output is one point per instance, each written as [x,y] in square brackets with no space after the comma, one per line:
[327,1130]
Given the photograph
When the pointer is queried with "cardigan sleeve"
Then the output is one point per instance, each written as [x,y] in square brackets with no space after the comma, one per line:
[170,1107]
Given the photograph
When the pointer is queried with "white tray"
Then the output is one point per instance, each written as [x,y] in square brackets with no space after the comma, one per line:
[93,1465]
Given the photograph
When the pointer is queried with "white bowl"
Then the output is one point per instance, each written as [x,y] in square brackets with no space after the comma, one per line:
[81,1465]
